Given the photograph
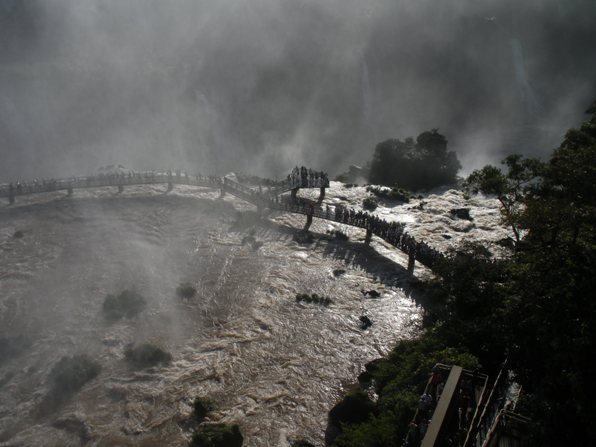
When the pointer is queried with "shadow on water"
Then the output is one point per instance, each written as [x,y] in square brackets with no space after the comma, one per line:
[351,253]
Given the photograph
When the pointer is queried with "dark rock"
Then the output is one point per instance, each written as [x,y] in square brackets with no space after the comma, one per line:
[461,213]
[18,234]
[365,322]
[126,305]
[371,294]
[217,435]
[356,407]
[303,237]
[446,236]
[145,355]
[338,272]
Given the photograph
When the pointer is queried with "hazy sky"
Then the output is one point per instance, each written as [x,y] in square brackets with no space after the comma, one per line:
[262,85]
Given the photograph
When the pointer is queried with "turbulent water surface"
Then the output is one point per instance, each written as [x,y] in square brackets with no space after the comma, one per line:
[272,365]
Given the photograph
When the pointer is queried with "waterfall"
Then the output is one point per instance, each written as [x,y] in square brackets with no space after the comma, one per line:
[521,76]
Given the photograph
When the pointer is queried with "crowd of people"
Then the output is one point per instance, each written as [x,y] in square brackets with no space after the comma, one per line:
[303,177]
[392,232]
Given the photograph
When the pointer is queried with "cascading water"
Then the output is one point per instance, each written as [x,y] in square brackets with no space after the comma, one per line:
[527,92]
[273,365]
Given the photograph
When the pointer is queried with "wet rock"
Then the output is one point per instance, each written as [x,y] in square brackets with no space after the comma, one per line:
[303,237]
[338,272]
[365,322]
[201,407]
[461,213]
[75,425]
[354,408]
[302,443]
[12,346]
[217,435]
[371,294]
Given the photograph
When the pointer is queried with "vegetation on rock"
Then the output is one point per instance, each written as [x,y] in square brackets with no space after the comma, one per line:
[125,305]
[66,378]
[370,203]
[186,291]
[145,355]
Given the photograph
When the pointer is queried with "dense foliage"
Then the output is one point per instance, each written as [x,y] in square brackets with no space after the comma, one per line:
[421,164]
[536,307]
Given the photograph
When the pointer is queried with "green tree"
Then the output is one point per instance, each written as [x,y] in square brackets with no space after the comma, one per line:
[510,188]
[553,312]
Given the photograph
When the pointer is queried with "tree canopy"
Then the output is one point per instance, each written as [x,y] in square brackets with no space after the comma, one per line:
[422,164]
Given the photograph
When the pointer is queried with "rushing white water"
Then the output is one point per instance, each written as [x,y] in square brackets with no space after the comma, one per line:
[273,366]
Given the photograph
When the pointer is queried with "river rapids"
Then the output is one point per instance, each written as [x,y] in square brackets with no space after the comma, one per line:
[271,364]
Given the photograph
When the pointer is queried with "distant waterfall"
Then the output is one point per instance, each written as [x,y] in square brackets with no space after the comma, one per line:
[528,95]
[367,97]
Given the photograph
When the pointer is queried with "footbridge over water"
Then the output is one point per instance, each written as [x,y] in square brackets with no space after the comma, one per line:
[271,198]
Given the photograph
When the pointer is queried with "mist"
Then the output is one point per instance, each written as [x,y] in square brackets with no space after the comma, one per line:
[262,85]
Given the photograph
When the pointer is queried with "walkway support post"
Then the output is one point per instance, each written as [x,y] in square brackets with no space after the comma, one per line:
[368,237]
[308,222]
[120,188]
[69,191]
[11,197]
[170,186]
[294,192]
[411,260]
[322,194]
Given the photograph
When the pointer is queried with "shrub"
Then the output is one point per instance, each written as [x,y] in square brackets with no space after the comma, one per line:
[217,435]
[71,373]
[186,291]
[370,203]
[146,355]
[66,378]
[201,407]
[126,305]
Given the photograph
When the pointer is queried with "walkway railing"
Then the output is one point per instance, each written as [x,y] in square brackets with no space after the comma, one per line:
[391,232]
